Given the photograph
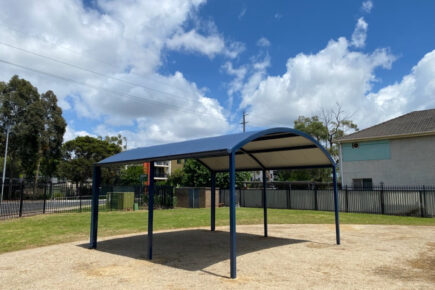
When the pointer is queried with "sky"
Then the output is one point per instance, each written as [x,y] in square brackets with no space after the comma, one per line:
[159,71]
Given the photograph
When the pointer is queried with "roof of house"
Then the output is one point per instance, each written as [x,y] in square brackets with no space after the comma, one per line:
[271,148]
[416,123]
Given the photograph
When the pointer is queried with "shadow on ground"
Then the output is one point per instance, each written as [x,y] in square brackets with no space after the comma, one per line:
[189,249]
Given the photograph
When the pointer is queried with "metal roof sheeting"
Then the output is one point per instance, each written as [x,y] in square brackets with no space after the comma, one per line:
[271,148]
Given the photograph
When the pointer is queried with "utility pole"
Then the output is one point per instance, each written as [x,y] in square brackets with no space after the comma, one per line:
[4,166]
[244,121]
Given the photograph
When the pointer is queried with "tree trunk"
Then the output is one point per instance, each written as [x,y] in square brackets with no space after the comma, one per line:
[11,176]
[38,165]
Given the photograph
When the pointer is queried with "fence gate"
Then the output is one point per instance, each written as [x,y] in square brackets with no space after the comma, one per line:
[194,197]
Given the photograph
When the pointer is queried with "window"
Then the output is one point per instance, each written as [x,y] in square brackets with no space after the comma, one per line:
[362,183]
[179,161]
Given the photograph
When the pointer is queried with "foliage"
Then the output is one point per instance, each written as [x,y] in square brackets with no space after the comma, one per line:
[80,154]
[196,174]
[131,174]
[52,135]
[119,140]
[325,129]
[176,178]
[37,127]
[312,126]
[222,179]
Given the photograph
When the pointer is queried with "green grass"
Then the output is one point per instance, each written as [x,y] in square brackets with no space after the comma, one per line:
[51,229]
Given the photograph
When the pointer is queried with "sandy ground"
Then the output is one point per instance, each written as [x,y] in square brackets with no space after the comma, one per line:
[294,256]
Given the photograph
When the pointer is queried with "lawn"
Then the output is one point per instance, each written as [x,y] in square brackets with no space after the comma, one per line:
[42,230]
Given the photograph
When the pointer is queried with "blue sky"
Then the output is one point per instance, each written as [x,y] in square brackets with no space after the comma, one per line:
[168,70]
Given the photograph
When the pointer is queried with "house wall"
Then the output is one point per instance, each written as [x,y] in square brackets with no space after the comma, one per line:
[175,165]
[202,194]
[408,161]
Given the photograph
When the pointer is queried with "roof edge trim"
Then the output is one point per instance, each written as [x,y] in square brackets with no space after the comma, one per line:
[385,137]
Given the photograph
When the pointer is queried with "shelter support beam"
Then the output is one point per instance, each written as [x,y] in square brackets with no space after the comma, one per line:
[337,222]
[232,185]
[265,202]
[150,210]
[96,180]
[213,201]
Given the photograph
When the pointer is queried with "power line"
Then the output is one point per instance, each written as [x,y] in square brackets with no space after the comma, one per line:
[87,70]
[95,59]
[116,93]
[244,122]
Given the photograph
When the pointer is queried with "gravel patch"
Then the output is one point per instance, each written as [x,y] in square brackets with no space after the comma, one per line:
[294,256]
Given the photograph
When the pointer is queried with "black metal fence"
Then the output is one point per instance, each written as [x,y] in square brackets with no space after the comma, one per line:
[21,198]
[390,200]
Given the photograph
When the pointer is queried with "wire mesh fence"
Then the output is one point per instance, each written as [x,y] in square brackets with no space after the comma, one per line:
[23,198]
[390,200]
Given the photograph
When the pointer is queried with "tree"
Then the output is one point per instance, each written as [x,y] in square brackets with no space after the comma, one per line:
[312,126]
[21,108]
[50,137]
[337,125]
[80,154]
[196,174]
[117,140]
[333,124]
[131,174]
[37,127]
[176,178]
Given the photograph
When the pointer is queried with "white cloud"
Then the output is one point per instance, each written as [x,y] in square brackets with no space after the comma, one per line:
[263,42]
[123,44]
[277,16]
[312,82]
[211,45]
[242,13]
[359,35]
[239,75]
[71,134]
[416,91]
[367,6]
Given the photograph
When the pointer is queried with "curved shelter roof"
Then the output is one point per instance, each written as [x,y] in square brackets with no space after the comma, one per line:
[275,148]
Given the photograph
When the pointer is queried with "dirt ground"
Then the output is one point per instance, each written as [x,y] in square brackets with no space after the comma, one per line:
[294,256]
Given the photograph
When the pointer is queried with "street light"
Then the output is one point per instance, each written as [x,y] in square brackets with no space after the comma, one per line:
[4,166]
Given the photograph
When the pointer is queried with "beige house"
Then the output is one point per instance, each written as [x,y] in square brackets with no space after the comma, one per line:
[166,168]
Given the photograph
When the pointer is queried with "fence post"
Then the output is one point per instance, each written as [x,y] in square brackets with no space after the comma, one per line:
[316,207]
[347,198]
[382,199]
[422,199]
[80,197]
[21,199]
[288,196]
[240,197]
[51,189]
[45,198]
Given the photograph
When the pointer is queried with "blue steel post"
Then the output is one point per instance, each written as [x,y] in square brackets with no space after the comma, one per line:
[337,222]
[265,202]
[96,179]
[150,210]
[213,200]
[232,188]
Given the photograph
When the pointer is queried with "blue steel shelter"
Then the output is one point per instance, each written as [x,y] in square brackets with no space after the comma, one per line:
[276,148]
